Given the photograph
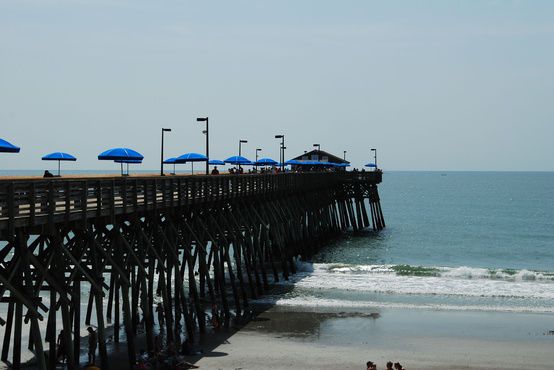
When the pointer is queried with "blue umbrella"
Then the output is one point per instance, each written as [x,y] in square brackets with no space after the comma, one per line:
[266,162]
[128,161]
[191,157]
[371,165]
[59,156]
[171,161]
[6,147]
[120,154]
[237,160]
[216,162]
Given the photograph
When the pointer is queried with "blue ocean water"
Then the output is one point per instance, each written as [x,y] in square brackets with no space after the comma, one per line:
[454,241]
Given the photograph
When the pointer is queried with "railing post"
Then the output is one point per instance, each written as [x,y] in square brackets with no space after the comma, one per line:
[51,206]
[11,211]
[32,205]
[84,202]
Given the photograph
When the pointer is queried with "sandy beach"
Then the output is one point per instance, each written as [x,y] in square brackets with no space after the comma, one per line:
[301,340]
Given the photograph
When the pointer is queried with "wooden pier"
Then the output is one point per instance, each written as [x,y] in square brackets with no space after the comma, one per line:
[193,243]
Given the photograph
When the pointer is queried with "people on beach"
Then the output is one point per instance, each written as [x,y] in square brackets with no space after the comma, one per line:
[371,366]
[215,171]
[92,344]
[397,366]
[48,174]
[389,365]
[60,343]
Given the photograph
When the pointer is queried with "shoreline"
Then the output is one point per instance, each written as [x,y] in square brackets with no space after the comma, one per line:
[280,337]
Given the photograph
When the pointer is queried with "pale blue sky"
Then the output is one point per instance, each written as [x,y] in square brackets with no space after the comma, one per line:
[434,85]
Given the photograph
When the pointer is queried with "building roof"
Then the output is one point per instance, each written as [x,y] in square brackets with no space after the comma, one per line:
[318,155]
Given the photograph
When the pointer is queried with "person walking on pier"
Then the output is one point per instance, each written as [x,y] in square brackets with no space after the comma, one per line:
[92,344]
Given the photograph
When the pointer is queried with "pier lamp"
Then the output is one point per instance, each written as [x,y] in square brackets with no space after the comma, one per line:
[281,151]
[162,152]
[257,151]
[375,158]
[240,145]
[207,133]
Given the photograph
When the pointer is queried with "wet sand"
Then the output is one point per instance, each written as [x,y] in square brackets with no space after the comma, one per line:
[282,338]
[430,340]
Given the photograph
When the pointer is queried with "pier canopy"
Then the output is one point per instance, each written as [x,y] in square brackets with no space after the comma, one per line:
[319,158]
[120,154]
[237,160]
[216,162]
[59,156]
[292,162]
[342,165]
[6,147]
[266,162]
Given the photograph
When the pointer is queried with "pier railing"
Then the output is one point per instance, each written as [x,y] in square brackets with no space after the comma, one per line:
[32,202]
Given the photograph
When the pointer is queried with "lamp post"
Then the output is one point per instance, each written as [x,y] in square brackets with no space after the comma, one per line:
[281,151]
[344,155]
[240,145]
[207,133]
[257,151]
[162,151]
[375,158]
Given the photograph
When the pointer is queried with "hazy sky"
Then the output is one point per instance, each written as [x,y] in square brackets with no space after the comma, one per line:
[434,85]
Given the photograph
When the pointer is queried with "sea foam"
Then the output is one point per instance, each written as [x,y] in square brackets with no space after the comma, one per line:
[461,287]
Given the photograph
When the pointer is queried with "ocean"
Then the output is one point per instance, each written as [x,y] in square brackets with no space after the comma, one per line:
[455,241]
[463,273]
